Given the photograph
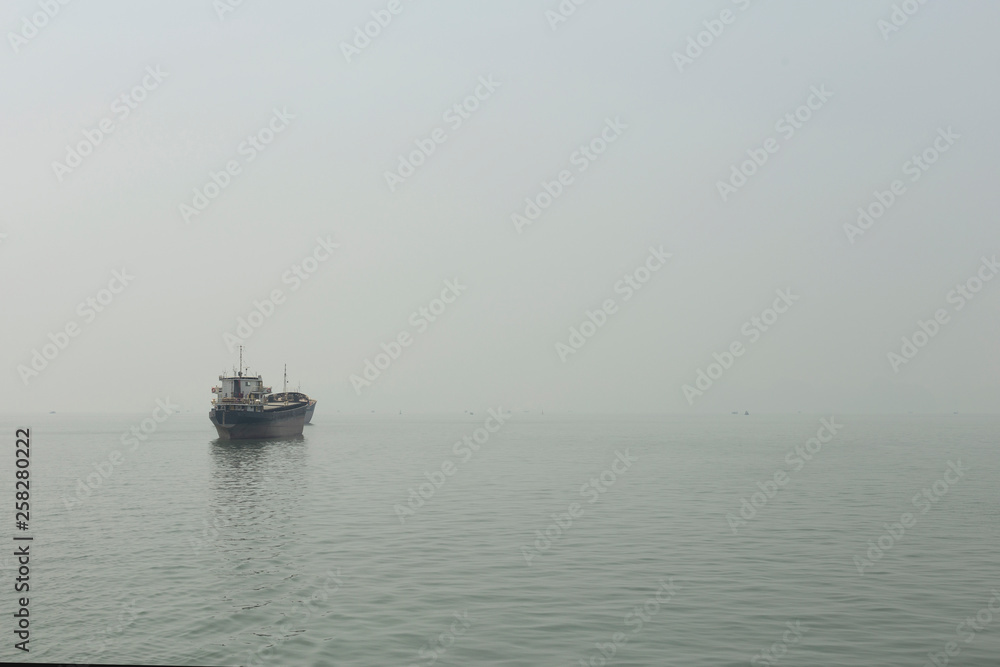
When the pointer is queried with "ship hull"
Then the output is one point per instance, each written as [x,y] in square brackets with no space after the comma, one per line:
[245,425]
[310,409]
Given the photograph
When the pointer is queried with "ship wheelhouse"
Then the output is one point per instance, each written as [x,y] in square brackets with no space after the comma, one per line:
[240,392]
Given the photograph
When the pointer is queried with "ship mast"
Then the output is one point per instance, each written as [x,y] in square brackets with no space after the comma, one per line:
[241,361]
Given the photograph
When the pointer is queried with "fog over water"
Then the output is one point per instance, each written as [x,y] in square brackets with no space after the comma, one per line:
[879,548]
[723,180]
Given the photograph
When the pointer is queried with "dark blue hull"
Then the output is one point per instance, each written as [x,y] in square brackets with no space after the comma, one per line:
[272,423]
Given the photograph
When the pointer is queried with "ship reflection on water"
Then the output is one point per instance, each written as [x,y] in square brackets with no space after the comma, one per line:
[256,489]
[258,467]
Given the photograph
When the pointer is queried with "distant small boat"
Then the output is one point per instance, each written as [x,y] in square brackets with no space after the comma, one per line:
[746,413]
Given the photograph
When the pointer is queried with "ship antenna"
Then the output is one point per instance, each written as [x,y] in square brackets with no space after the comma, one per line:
[285,388]
[241,361]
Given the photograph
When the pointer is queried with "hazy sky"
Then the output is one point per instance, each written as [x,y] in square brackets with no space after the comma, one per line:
[660,134]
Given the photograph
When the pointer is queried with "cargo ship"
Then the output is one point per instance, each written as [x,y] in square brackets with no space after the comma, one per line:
[297,396]
[245,409]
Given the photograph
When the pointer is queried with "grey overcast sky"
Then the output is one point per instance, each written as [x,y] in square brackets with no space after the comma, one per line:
[611,117]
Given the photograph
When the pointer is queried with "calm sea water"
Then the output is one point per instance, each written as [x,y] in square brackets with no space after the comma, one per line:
[300,552]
